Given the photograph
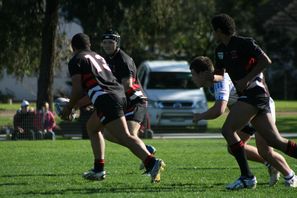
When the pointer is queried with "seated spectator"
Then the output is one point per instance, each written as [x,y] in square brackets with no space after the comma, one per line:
[45,122]
[23,122]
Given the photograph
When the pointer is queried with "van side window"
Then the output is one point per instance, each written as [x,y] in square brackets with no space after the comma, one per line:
[142,75]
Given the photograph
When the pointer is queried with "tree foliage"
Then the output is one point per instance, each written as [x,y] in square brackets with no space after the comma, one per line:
[149,29]
[20,36]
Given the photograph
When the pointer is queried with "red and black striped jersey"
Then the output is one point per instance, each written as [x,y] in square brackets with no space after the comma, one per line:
[123,66]
[97,78]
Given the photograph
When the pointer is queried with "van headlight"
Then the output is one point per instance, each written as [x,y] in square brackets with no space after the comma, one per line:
[201,105]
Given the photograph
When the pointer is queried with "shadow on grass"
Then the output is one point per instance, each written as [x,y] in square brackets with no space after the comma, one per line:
[38,175]
[155,188]
[212,168]
[12,184]
[122,187]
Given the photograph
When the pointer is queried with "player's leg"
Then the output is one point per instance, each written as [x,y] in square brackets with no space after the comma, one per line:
[118,128]
[134,127]
[239,115]
[273,158]
[251,151]
[97,141]
[98,147]
[135,116]
[266,127]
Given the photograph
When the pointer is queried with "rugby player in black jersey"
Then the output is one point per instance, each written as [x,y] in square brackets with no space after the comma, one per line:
[90,74]
[124,69]
[225,96]
[245,61]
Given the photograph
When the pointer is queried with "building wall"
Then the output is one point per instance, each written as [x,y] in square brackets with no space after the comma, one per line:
[27,87]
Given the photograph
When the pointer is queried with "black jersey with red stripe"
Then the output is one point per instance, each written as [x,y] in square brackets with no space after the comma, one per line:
[238,57]
[97,78]
[123,66]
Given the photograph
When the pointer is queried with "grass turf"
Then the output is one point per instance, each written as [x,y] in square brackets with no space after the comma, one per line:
[195,168]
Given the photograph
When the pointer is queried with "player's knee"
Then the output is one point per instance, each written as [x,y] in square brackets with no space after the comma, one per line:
[274,141]
[265,153]
[226,130]
[229,150]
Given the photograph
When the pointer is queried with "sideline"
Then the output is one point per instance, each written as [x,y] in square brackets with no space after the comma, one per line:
[202,135]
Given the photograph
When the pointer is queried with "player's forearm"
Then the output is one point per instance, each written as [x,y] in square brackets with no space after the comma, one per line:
[127,83]
[210,114]
[217,78]
[263,62]
[76,94]
[84,101]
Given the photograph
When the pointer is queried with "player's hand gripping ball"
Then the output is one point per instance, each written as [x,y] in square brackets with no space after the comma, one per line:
[60,104]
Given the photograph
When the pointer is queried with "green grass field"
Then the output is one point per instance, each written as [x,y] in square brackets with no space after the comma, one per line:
[195,168]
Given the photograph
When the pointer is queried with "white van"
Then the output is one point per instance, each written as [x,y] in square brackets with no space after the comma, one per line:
[172,96]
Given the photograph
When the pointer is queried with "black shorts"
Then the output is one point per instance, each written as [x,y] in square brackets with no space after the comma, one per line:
[109,107]
[258,98]
[248,129]
[136,112]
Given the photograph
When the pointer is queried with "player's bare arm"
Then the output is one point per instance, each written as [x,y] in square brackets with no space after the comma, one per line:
[218,75]
[212,113]
[263,62]
[127,83]
[84,101]
[76,94]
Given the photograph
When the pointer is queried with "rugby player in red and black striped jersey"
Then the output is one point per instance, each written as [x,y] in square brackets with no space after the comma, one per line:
[245,61]
[124,69]
[90,74]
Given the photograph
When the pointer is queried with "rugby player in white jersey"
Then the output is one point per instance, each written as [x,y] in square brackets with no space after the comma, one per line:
[225,96]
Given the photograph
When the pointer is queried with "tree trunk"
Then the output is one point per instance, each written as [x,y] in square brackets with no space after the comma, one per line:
[46,72]
[285,85]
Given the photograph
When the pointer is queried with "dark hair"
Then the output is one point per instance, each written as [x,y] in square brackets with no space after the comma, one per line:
[201,64]
[81,41]
[225,23]
[111,34]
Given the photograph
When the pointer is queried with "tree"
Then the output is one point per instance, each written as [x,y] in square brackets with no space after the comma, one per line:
[150,29]
[46,72]
[28,32]
[20,34]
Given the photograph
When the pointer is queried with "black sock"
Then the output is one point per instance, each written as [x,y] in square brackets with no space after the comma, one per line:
[238,152]
[291,149]
[98,165]
[149,162]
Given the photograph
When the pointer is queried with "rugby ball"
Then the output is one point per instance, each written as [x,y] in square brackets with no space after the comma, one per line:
[60,104]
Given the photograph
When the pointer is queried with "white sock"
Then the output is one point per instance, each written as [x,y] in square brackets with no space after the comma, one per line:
[267,164]
[290,175]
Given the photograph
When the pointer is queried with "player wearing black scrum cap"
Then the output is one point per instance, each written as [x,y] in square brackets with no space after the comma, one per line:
[124,69]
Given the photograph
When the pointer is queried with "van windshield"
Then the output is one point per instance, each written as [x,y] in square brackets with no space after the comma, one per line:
[170,80]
